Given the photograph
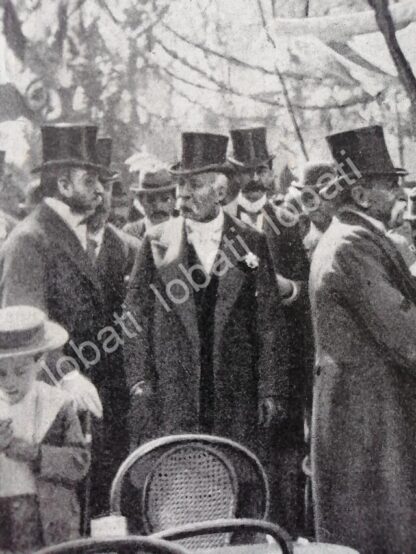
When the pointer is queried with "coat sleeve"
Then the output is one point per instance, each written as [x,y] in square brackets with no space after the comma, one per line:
[381,308]
[69,461]
[138,359]
[273,339]
[23,272]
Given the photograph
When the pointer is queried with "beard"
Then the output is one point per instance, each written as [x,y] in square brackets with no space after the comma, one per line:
[254,186]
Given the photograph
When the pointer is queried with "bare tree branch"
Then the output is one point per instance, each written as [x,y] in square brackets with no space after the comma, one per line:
[285,91]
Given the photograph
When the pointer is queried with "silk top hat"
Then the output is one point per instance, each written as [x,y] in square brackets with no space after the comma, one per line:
[202,153]
[154,180]
[249,147]
[366,148]
[70,145]
[104,148]
[26,330]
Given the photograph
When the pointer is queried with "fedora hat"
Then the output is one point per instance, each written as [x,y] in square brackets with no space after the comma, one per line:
[366,148]
[202,153]
[249,147]
[104,148]
[154,180]
[26,330]
[65,144]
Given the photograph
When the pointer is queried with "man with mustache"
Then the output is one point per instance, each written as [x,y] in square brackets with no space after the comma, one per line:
[44,263]
[211,356]
[254,170]
[156,193]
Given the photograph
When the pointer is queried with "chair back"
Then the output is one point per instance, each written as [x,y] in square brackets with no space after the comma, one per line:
[126,545]
[189,478]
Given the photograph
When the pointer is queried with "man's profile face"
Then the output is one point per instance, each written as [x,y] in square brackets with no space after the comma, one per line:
[383,196]
[84,192]
[198,196]
[157,206]
[255,182]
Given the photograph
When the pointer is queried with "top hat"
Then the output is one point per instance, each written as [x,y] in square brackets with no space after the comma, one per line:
[26,330]
[366,148]
[249,147]
[70,145]
[104,150]
[155,180]
[202,153]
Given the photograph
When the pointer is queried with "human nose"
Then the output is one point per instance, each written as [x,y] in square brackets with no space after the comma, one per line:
[256,177]
[184,191]
[99,189]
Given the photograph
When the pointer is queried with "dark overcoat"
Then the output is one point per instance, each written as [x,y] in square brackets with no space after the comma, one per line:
[249,346]
[43,264]
[364,414]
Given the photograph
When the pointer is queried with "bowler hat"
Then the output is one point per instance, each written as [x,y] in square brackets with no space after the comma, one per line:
[366,149]
[26,330]
[155,180]
[65,144]
[249,147]
[202,153]
[104,148]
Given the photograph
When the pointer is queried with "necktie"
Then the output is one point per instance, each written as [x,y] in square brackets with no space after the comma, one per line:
[92,249]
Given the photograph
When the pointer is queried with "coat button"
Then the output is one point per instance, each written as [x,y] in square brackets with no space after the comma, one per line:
[318,371]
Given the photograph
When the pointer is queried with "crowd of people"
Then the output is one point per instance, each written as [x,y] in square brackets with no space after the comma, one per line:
[283,321]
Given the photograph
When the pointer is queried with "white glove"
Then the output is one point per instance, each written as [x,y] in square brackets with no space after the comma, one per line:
[83,392]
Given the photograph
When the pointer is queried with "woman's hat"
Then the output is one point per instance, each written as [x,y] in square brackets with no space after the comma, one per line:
[26,330]
[65,144]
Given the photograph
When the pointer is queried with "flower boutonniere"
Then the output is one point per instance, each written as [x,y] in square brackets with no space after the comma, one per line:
[251,261]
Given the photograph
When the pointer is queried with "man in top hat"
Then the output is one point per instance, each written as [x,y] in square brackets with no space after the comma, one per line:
[156,193]
[253,166]
[364,313]
[211,356]
[112,253]
[44,263]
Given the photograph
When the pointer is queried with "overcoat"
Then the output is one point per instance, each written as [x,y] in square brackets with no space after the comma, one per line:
[43,264]
[249,346]
[286,445]
[364,412]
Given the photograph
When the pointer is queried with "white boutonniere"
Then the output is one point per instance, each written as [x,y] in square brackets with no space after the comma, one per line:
[251,260]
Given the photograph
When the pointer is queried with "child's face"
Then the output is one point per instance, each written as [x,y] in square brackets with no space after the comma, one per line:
[17,376]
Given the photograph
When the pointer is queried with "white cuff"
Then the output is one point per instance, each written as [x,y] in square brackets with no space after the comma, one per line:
[71,375]
[295,293]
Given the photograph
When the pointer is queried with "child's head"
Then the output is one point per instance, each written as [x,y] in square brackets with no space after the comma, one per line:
[17,375]
[25,335]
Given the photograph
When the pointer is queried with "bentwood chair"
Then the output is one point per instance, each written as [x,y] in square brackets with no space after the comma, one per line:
[126,545]
[180,479]
[196,530]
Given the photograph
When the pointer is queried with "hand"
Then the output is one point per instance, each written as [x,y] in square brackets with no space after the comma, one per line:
[83,392]
[6,433]
[22,451]
[285,286]
[270,410]
[141,389]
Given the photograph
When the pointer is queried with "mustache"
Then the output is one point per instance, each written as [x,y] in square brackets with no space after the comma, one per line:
[160,214]
[254,186]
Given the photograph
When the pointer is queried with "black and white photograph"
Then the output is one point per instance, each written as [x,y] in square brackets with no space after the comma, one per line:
[207,277]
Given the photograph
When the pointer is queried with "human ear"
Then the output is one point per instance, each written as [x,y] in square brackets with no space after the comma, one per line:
[361,196]
[64,186]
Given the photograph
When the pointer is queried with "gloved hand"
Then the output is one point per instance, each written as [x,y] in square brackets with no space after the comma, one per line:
[83,392]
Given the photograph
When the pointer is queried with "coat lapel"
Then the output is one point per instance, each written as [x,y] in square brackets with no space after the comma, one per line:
[230,282]
[65,239]
[170,253]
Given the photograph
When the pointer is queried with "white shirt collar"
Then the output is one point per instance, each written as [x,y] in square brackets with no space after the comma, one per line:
[252,207]
[376,222]
[72,220]
[205,237]
[231,207]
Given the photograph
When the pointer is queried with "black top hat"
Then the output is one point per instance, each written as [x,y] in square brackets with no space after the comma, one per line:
[366,148]
[104,148]
[249,147]
[70,145]
[202,153]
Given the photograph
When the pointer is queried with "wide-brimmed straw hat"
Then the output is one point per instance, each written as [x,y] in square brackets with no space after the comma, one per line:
[26,330]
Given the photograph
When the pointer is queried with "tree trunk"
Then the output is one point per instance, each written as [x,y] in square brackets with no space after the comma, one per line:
[404,70]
